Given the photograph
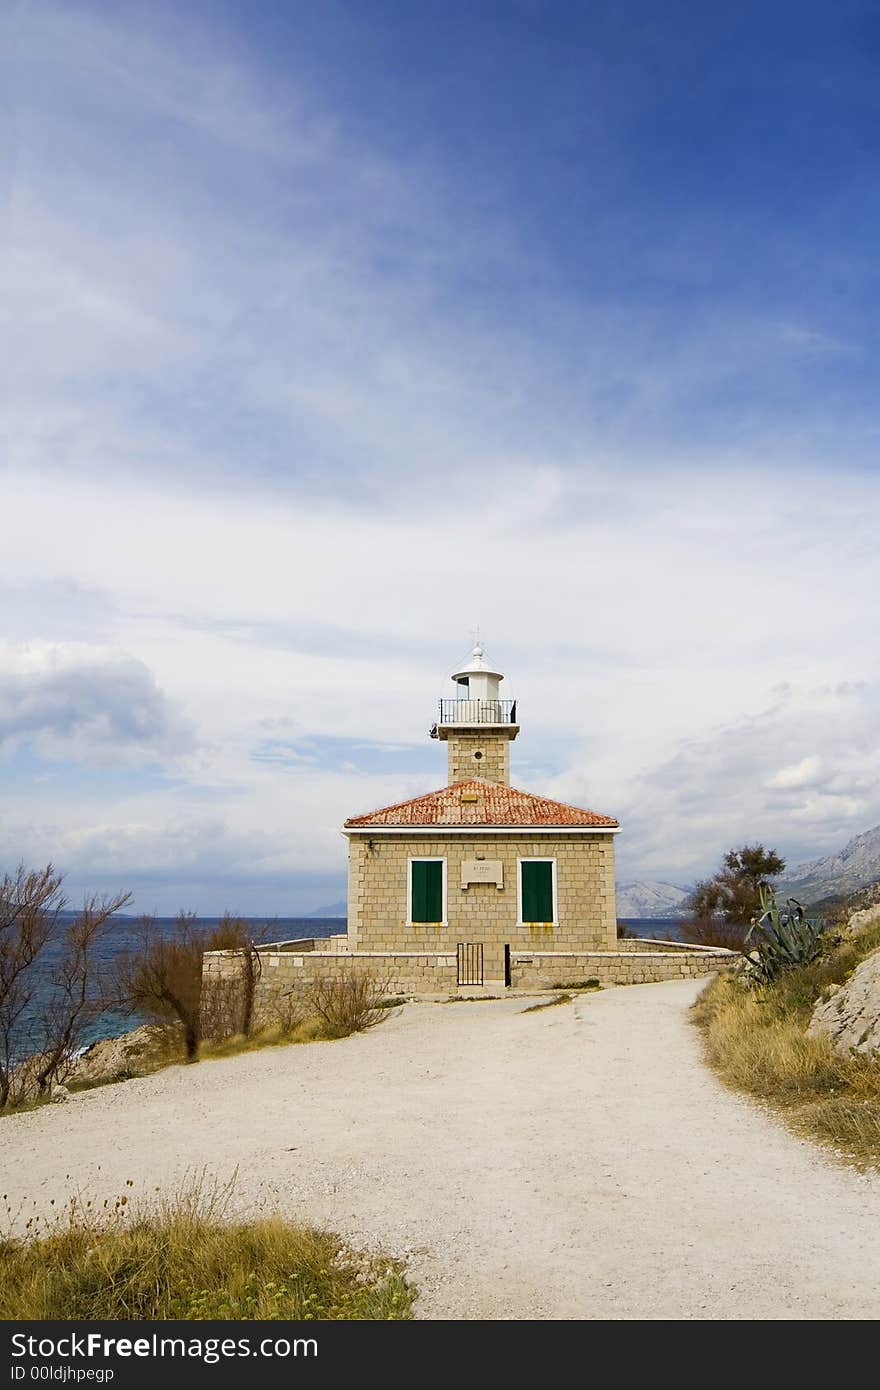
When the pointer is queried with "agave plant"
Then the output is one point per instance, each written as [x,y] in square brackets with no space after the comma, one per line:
[781,938]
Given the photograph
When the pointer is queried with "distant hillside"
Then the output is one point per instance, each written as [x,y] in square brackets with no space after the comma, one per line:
[650,899]
[855,866]
[334,910]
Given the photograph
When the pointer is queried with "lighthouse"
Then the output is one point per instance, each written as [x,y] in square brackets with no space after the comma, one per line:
[479,867]
[477,725]
[476,886]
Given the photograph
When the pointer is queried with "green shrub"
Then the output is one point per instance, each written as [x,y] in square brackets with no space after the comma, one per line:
[779,940]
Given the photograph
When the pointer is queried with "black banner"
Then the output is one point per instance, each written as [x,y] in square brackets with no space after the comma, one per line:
[130,1355]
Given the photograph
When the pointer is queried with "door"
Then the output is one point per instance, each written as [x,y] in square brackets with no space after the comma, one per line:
[470,962]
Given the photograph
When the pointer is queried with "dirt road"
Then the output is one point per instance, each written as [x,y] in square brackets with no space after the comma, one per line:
[579,1162]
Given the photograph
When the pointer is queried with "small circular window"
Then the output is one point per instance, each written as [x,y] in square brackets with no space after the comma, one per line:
[478,755]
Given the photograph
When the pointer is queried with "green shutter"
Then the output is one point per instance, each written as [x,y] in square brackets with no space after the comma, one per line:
[427,890]
[537,891]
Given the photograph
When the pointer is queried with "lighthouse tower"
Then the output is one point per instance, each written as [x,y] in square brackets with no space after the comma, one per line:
[477,724]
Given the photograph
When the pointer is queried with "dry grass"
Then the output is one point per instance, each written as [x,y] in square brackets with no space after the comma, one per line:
[273,1035]
[756,1041]
[184,1258]
[327,1010]
[347,1004]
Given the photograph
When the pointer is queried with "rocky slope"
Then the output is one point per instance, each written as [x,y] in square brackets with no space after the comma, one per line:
[129,1054]
[856,865]
[849,1014]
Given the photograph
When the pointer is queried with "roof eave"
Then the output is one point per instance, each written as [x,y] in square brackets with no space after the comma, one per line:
[480,829]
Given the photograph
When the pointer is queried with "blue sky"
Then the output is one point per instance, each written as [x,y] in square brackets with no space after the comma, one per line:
[337,329]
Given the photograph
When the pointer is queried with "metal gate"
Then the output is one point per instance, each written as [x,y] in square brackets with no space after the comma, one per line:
[470,962]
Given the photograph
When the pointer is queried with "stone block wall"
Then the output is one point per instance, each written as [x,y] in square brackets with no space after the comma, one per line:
[397,973]
[650,943]
[335,945]
[538,970]
[479,753]
[285,974]
[377,904]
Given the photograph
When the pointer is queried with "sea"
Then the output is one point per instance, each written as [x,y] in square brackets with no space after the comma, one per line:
[125,934]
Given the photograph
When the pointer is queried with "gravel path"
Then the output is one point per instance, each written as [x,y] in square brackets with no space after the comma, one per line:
[580,1162]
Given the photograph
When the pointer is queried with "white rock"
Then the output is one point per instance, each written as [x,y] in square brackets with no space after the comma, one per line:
[850,1014]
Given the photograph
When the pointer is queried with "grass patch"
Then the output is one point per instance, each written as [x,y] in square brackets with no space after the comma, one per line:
[329,1009]
[185,1259]
[580,984]
[756,1041]
[548,1004]
[274,1035]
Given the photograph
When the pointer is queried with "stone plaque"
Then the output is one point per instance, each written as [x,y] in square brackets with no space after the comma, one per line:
[482,871]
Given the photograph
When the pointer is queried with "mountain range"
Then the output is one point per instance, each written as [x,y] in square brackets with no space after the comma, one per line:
[855,866]
[648,898]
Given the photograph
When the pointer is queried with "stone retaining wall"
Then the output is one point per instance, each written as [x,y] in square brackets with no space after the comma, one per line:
[285,973]
[653,943]
[536,970]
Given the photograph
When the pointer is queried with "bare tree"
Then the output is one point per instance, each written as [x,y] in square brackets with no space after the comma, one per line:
[49,978]
[29,910]
[162,977]
[78,990]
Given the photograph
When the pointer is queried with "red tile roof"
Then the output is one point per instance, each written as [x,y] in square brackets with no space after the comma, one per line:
[495,804]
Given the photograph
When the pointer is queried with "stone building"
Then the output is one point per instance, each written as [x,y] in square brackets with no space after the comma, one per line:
[477,887]
[479,868]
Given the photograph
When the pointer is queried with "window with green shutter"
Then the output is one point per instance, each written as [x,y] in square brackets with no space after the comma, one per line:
[426,890]
[536,890]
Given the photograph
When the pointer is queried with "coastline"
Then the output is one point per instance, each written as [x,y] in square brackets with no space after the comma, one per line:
[91,1057]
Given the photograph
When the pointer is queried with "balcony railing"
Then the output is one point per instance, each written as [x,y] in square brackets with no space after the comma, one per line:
[477,712]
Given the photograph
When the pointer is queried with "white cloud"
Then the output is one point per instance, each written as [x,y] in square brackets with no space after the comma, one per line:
[808,772]
[75,701]
[652,669]
[721,786]
[280,435]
